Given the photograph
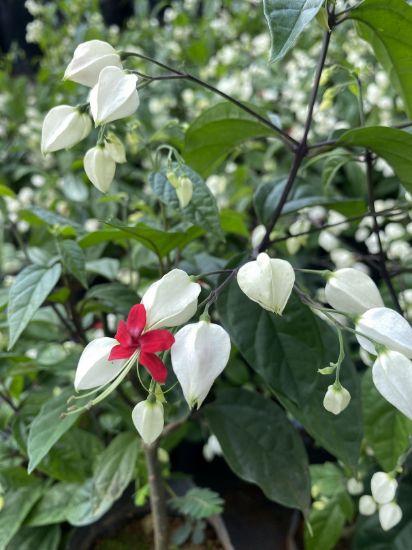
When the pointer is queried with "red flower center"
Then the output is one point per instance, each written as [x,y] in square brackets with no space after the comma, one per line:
[131,338]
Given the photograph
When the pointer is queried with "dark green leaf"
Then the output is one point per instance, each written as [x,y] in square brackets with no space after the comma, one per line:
[389,143]
[387,28]
[286,20]
[74,260]
[51,218]
[18,503]
[261,446]
[327,523]
[387,431]
[36,538]
[202,208]
[287,352]
[32,286]
[47,428]
[52,506]
[216,132]
[113,296]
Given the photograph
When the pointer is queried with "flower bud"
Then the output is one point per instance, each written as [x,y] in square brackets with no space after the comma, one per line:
[383,487]
[390,514]
[184,190]
[258,234]
[114,96]
[89,59]
[94,368]
[386,327]
[148,418]
[336,399]
[171,301]
[354,486]
[352,291]
[367,506]
[392,376]
[267,281]
[115,148]
[199,354]
[99,167]
[63,127]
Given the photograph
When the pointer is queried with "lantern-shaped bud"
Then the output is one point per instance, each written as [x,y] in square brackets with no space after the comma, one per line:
[336,398]
[352,291]
[89,59]
[148,418]
[367,505]
[354,486]
[383,487]
[99,167]
[63,127]
[390,514]
[267,281]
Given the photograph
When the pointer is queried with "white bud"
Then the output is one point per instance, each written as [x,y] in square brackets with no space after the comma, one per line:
[199,354]
[63,127]
[328,241]
[367,506]
[392,376]
[99,167]
[258,235]
[115,148]
[383,487]
[336,399]
[184,190]
[352,291]
[269,282]
[89,59]
[148,419]
[354,486]
[389,515]
[114,96]
[388,328]
[212,448]
[171,301]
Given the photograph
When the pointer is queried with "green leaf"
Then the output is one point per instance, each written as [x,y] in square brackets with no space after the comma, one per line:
[387,28]
[115,470]
[389,143]
[36,538]
[5,191]
[113,296]
[268,195]
[327,523]
[287,352]
[18,504]
[47,428]
[216,132]
[286,20]
[387,431]
[74,260]
[32,286]
[198,503]
[202,209]
[52,506]
[160,242]
[50,218]
[261,446]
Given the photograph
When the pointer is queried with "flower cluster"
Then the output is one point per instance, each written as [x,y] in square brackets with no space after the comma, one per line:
[383,489]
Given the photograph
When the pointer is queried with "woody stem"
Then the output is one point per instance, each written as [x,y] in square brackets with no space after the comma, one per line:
[157,496]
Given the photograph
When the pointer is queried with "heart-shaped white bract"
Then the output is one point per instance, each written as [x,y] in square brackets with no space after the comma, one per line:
[99,167]
[383,487]
[392,376]
[389,515]
[94,368]
[63,127]
[89,59]
[388,328]
[267,281]
[114,96]
[148,419]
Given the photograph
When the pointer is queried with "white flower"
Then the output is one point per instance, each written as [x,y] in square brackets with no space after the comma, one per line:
[99,167]
[114,96]
[367,505]
[328,241]
[390,514]
[267,281]
[212,448]
[89,59]
[392,376]
[199,354]
[386,327]
[336,399]
[383,487]
[352,291]
[258,235]
[171,301]
[148,418]
[94,369]
[354,486]
[63,127]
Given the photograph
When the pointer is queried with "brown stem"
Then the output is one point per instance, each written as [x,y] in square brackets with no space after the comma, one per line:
[157,497]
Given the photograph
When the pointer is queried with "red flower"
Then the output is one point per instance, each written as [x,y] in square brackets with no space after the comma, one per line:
[130,338]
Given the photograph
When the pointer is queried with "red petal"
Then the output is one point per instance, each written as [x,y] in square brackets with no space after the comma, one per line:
[155,366]
[122,335]
[136,320]
[156,340]
[121,352]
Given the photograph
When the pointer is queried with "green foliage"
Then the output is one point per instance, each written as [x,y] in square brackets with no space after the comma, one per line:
[198,503]
[257,439]
[74,260]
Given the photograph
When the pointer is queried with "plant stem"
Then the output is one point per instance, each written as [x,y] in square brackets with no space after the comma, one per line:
[157,497]
[302,149]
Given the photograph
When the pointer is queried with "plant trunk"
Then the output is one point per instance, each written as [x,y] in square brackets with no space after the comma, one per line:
[157,497]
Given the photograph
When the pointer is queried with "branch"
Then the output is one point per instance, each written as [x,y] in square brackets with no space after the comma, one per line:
[157,496]
[288,140]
